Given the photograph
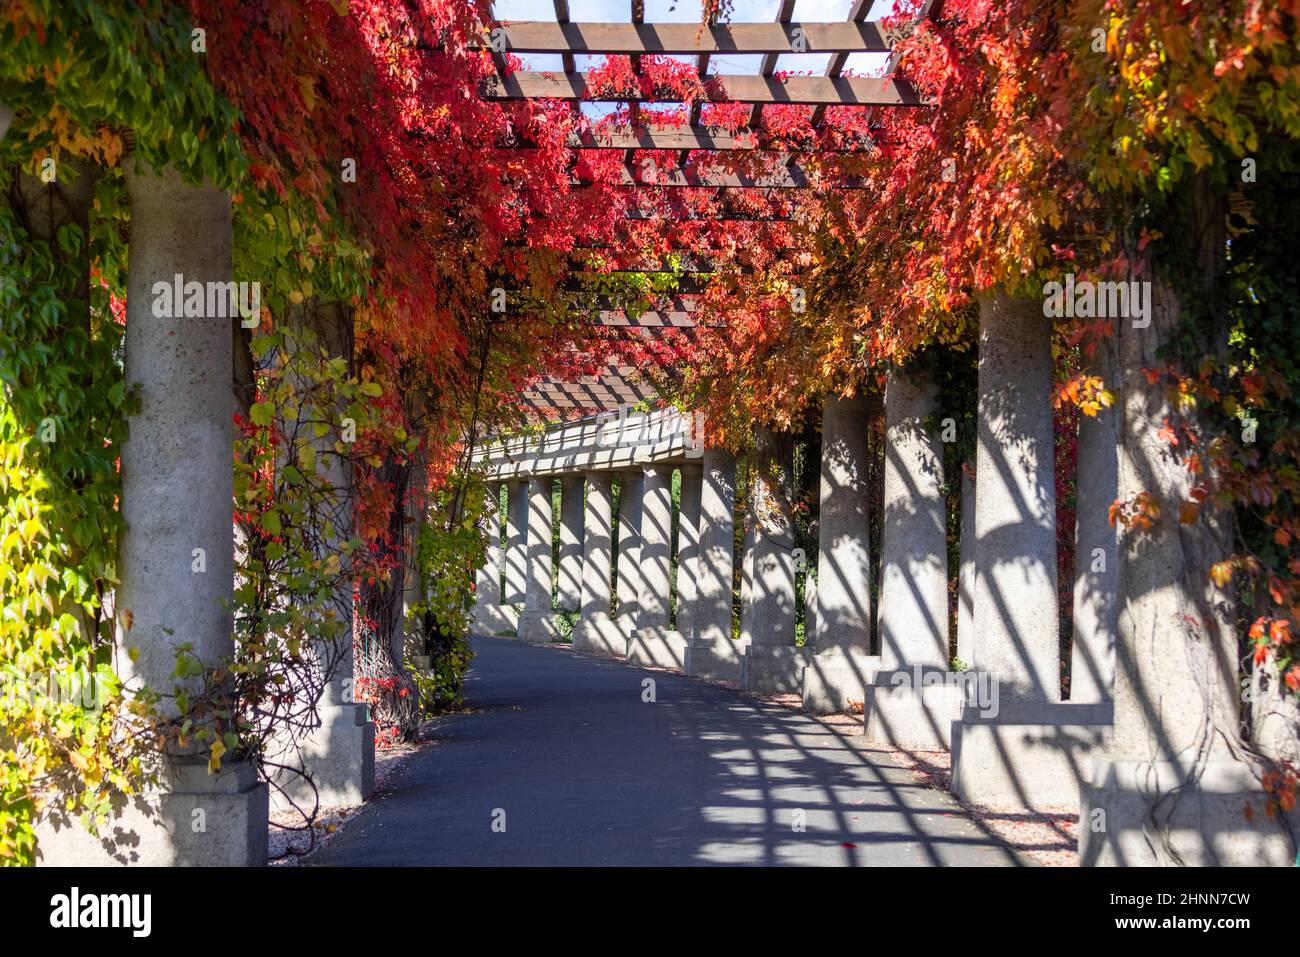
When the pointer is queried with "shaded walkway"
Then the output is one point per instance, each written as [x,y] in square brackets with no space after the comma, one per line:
[589,774]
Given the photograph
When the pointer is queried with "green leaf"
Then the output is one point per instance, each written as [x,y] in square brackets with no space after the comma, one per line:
[261,414]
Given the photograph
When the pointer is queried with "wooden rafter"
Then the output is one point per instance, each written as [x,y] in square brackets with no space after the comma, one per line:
[688,138]
[676,315]
[793,90]
[835,68]
[686,39]
[784,14]
[785,177]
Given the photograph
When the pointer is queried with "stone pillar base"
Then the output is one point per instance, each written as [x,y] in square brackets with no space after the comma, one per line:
[1129,814]
[339,756]
[1027,754]
[716,660]
[538,627]
[1276,718]
[600,635]
[773,669]
[914,709]
[489,621]
[659,647]
[836,678]
[163,827]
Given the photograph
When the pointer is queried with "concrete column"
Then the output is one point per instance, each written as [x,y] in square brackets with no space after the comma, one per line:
[44,208]
[568,587]
[537,623]
[1275,714]
[489,593]
[176,558]
[489,616]
[914,535]
[712,652]
[838,607]
[1096,559]
[688,549]
[966,573]
[1017,743]
[629,549]
[1172,786]
[516,578]
[653,642]
[597,542]
[844,535]
[747,538]
[339,755]
[596,632]
[1016,611]
[774,602]
[772,662]
[912,703]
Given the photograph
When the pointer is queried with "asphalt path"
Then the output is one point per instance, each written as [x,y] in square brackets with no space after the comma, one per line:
[562,759]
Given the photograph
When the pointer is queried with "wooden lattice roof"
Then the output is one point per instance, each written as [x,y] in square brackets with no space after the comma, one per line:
[635,39]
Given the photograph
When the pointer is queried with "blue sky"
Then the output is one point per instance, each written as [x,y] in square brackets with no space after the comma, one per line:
[688,11]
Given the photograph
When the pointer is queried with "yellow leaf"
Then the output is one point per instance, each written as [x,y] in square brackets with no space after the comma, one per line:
[214,759]
[1221,572]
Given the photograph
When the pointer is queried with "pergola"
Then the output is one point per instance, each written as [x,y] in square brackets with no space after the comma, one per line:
[553,397]
[1061,604]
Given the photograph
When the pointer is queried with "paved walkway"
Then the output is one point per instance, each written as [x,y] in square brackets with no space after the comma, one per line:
[587,773]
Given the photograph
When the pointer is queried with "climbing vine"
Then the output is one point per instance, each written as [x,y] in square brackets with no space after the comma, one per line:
[451,548]
[65,726]
[1055,136]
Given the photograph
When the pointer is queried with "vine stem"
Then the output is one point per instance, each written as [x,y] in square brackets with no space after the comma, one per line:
[468,455]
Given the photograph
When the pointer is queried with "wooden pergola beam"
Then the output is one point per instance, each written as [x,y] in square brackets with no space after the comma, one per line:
[651,319]
[583,393]
[784,14]
[676,244]
[686,38]
[690,216]
[687,138]
[678,301]
[695,266]
[562,18]
[579,391]
[787,177]
[792,90]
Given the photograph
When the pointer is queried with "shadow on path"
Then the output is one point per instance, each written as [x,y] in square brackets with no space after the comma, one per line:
[587,773]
